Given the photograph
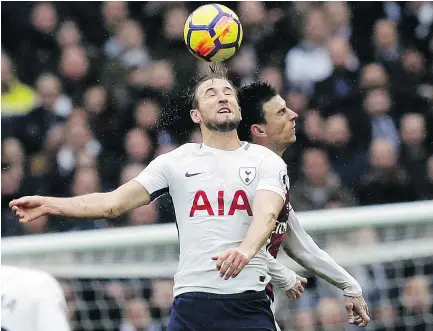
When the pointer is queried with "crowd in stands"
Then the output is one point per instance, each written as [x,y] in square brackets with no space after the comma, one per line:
[86,89]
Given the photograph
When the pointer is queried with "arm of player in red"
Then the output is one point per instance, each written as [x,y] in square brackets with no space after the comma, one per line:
[285,279]
[266,207]
[301,247]
[90,206]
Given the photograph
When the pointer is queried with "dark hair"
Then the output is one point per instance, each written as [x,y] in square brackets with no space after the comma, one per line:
[252,97]
[215,72]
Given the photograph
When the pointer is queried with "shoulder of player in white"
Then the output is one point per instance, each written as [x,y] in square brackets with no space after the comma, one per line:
[261,150]
[32,278]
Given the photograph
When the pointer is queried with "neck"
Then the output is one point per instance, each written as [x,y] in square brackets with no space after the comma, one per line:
[228,141]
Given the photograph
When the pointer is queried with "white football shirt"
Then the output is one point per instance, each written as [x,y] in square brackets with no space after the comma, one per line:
[32,301]
[213,193]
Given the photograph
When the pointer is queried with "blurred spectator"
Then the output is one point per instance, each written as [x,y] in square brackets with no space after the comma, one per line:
[162,298]
[38,50]
[16,97]
[329,315]
[114,13]
[138,146]
[144,215]
[413,153]
[68,35]
[386,43]
[416,308]
[348,161]
[130,171]
[373,75]
[76,72]
[377,105]
[309,62]
[339,15]
[385,181]
[127,47]
[85,95]
[137,317]
[273,76]
[243,67]
[336,92]
[319,186]
[52,109]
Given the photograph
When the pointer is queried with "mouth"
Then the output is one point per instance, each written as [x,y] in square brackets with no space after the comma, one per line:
[224,110]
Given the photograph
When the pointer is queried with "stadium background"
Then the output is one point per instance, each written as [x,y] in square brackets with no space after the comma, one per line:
[86,95]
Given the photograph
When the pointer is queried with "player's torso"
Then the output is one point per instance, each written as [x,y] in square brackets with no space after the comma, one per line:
[215,188]
[213,195]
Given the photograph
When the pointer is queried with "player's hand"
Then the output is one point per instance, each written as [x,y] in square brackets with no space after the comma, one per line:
[231,262]
[28,208]
[357,311]
[296,291]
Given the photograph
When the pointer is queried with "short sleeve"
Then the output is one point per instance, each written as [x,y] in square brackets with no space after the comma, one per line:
[273,175]
[155,177]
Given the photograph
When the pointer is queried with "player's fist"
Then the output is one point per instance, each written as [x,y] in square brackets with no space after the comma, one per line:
[231,262]
[28,208]
[357,310]
[296,291]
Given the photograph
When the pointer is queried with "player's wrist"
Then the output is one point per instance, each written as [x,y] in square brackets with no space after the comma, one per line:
[48,206]
[247,251]
[353,290]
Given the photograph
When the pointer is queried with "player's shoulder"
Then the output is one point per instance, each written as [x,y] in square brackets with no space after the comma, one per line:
[261,151]
[181,151]
[35,283]
[26,275]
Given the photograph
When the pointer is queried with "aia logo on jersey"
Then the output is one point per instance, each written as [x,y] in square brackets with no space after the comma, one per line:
[239,201]
[247,174]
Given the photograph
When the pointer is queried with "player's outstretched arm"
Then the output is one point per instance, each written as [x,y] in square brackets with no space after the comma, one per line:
[301,247]
[266,207]
[285,279]
[90,206]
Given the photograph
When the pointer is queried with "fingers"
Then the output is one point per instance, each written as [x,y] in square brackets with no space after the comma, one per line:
[349,312]
[303,280]
[363,316]
[18,202]
[221,258]
[226,261]
[230,263]
[232,268]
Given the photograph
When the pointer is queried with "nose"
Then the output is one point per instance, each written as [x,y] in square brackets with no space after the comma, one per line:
[222,98]
[293,115]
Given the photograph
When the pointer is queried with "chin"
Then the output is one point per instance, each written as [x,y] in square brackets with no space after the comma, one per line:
[292,139]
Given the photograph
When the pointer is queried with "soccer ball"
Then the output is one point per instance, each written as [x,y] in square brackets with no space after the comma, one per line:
[213,33]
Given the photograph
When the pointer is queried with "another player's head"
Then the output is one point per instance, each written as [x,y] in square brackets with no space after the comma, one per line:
[266,119]
[214,103]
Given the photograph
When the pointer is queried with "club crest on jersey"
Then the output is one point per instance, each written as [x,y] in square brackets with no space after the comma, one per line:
[284,179]
[247,174]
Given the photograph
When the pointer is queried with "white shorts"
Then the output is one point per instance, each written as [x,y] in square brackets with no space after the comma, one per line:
[273,312]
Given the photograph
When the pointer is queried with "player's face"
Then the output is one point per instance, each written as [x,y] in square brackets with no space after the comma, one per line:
[280,121]
[218,108]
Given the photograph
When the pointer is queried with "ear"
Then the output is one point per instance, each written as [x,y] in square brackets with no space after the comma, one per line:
[195,116]
[257,130]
